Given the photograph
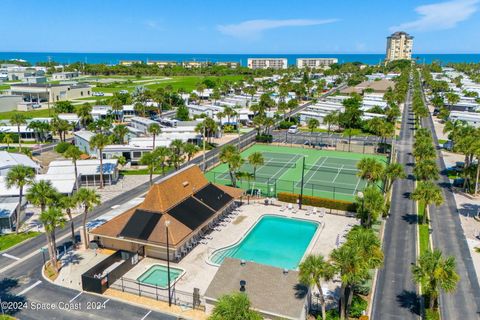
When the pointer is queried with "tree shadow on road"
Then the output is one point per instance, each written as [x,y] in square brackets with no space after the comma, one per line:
[410,218]
[6,285]
[409,300]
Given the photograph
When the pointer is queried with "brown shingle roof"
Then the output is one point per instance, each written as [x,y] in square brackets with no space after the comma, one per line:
[174,189]
[163,196]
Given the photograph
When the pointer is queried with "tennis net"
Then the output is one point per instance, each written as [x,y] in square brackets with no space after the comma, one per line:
[341,170]
[281,164]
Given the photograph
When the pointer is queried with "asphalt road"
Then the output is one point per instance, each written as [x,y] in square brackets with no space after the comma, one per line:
[25,284]
[448,236]
[396,294]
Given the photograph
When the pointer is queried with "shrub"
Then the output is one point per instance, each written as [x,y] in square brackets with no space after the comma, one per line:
[13,135]
[359,305]
[267,138]
[61,147]
[331,315]
[432,315]
[318,201]
[285,124]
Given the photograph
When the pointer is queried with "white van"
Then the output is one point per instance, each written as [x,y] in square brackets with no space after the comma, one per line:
[293,129]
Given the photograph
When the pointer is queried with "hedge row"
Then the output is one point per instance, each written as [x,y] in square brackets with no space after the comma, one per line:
[268,138]
[318,201]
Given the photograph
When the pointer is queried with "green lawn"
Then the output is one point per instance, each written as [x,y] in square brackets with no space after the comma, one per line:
[4,87]
[188,83]
[9,240]
[423,229]
[28,114]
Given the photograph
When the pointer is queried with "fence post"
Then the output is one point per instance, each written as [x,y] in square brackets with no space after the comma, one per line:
[123,288]
[139,290]
[333,192]
[156,292]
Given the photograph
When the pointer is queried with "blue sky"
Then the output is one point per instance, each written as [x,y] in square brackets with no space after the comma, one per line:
[259,26]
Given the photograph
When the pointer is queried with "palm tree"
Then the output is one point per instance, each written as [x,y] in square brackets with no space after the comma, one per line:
[150,159]
[230,155]
[393,171]
[256,160]
[353,260]
[73,153]
[427,193]
[7,138]
[426,170]
[234,307]
[117,107]
[52,219]
[84,113]
[99,142]
[370,170]
[19,176]
[372,205]
[87,198]
[190,149]
[349,132]
[18,120]
[154,129]
[120,131]
[313,270]
[162,153]
[68,203]
[434,273]
[313,124]
[41,194]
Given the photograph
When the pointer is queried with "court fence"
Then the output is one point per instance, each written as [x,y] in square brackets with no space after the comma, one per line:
[358,144]
[270,187]
[180,298]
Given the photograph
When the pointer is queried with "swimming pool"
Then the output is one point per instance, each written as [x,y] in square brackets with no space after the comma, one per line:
[157,275]
[277,241]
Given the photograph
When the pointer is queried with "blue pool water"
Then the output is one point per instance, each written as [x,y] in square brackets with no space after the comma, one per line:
[157,275]
[277,241]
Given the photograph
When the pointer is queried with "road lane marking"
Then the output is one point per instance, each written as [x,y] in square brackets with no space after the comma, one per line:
[6,255]
[150,311]
[78,295]
[29,288]
[105,302]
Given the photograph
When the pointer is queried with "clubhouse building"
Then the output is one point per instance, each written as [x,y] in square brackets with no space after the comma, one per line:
[185,205]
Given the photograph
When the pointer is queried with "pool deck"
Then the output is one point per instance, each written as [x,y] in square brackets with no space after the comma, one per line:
[199,273]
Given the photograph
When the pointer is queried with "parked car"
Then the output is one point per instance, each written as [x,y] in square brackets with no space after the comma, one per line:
[123,91]
[36,105]
[98,94]
[293,129]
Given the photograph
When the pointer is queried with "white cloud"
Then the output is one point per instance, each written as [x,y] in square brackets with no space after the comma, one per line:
[254,28]
[440,16]
[151,24]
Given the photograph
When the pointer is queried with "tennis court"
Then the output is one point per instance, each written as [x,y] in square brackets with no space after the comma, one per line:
[328,174]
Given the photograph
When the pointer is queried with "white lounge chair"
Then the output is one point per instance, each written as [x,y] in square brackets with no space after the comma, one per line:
[314,211]
[290,206]
[282,208]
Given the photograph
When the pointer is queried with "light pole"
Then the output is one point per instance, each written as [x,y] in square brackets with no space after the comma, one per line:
[360,195]
[167,223]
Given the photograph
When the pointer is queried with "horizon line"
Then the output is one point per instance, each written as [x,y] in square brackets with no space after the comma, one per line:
[198,53]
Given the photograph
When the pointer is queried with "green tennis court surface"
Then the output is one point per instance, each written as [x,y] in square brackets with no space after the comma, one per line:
[328,174]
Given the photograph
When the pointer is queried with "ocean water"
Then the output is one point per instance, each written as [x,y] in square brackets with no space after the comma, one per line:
[114,58]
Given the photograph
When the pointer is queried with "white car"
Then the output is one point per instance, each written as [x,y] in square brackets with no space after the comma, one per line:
[293,129]
[98,94]
[123,91]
